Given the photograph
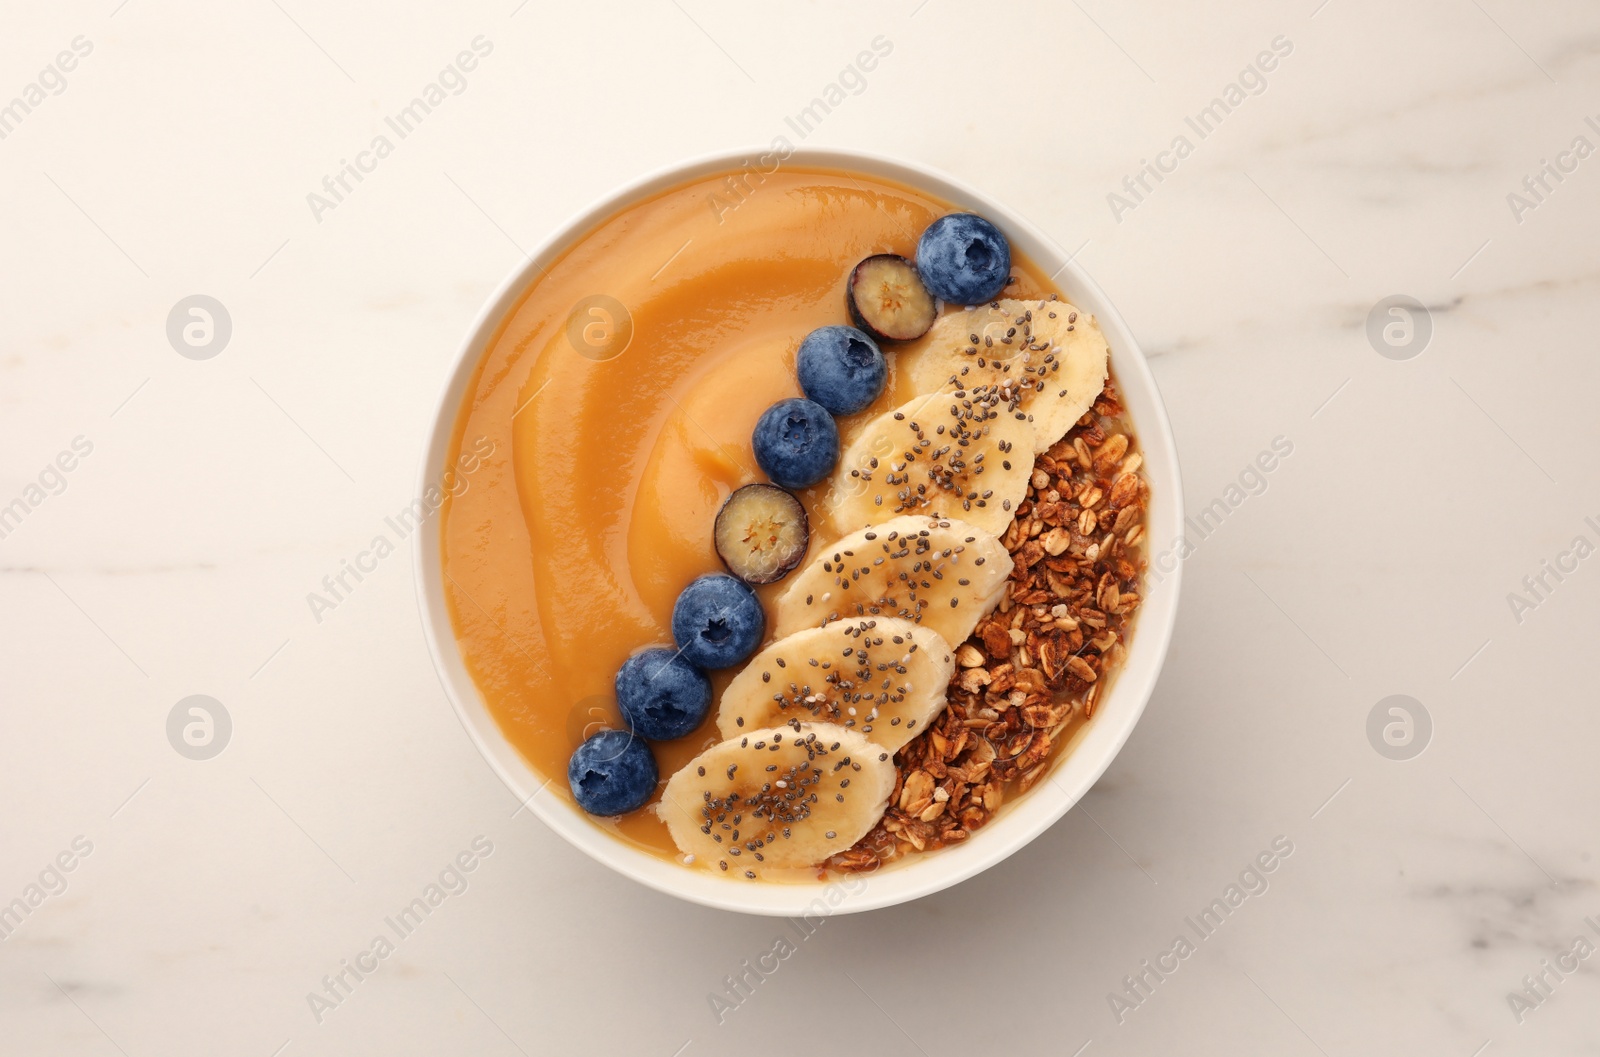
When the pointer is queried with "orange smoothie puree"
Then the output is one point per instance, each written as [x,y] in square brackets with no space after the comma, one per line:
[594,508]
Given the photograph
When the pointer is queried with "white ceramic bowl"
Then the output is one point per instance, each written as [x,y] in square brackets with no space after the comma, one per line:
[1018,822]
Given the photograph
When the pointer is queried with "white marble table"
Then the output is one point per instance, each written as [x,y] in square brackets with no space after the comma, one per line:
[1373,155]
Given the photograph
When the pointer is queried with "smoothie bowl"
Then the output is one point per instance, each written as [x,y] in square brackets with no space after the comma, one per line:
[797,514]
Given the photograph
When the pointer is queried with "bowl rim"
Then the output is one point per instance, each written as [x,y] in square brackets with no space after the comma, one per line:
[1019,822]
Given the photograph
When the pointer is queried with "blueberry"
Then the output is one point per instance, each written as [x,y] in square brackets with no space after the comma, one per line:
[717,621]
[888,300]
[612,773]
[963,259]
[841,369]
[796,442]
[662,696]
[761,533]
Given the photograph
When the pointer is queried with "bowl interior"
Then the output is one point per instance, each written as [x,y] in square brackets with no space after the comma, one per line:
[1017,823]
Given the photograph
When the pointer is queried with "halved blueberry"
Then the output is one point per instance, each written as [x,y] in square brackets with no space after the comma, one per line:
[796,442]
[761,533]
[888,300]
[841,369]
[612,773]
[717,621]
[964,259]
[662,695]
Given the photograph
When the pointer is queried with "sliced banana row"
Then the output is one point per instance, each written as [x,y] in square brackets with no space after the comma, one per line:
[882,676]
[778,798]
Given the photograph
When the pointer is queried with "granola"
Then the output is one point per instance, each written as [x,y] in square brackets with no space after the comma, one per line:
[1034,668]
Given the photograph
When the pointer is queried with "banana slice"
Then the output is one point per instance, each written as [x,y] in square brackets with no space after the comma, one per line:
[1044,358]
[939,573]
[965,455]
[777,798]
[882,676]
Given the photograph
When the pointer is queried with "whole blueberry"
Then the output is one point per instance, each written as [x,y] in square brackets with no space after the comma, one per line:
[841,369]
[963,259]
[796,442]
[612,773]
[717,621]
[662,696]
